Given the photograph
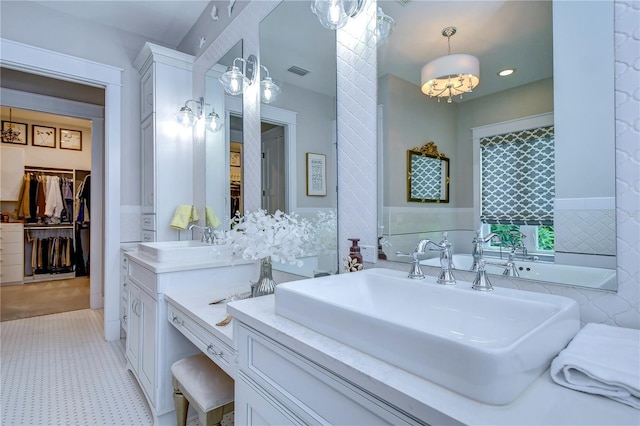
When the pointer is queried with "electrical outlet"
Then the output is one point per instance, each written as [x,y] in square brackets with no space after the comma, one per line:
[369,253]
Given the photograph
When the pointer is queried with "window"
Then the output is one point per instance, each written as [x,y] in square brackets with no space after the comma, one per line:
[517,187]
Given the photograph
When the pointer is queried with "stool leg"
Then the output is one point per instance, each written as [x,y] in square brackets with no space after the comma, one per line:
[214,417]
[182,406]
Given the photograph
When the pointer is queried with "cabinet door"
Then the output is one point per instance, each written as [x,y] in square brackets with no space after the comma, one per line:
[148,166]
[133,327]
[253,407]
[148,340]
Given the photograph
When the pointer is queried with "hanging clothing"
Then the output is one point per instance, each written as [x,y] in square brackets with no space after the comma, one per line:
[54,204]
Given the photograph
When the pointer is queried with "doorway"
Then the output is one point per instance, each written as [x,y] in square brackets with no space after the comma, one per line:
[273,167]
[105,162]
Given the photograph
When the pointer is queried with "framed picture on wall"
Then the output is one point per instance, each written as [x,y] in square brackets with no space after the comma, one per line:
[13,132]
[43,136]
[316,174]
[71,139]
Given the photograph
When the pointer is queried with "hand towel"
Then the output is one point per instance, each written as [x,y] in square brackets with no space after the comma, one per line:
[603,360]
[183,215]
[212,219]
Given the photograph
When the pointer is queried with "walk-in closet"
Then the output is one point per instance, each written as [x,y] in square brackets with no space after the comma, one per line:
[46,213]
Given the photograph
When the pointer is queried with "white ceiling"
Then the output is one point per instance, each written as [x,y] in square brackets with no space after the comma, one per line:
[501,33]
[161,21]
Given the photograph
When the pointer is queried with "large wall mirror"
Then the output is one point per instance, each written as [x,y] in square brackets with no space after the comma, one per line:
[539,40]
[223,177]
[299,121]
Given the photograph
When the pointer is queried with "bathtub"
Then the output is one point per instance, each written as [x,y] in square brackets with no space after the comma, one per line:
[600,278]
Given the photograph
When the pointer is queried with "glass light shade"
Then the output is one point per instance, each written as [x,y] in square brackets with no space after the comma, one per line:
[186,117]
[233,81]
[450,76]
[384,27]
[269,90]
[214,122]
[330,13]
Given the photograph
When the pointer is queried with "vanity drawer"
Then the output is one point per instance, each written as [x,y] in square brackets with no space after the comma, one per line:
[306,388]
[149,222]
[148,236]
[219,352]
[143,277]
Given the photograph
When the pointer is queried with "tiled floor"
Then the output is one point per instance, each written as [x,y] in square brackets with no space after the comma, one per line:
[58,370]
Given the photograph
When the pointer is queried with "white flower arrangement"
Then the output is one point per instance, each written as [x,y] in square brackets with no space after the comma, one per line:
[258,235]
[324,232]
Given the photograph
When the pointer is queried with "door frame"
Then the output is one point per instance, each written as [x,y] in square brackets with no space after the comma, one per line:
[105,163]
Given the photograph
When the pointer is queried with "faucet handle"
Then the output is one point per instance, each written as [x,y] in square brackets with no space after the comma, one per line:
[415,272]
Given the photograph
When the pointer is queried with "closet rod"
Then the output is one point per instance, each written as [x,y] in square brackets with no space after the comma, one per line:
[48,227]
[47,170]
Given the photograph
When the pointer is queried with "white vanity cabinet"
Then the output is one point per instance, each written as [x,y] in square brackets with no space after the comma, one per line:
[166,148]
[152,343]
[277,386]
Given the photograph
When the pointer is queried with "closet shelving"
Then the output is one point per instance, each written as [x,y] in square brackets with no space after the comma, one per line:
[62,233]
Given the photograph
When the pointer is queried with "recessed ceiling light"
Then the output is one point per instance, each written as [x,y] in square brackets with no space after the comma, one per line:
[506,72]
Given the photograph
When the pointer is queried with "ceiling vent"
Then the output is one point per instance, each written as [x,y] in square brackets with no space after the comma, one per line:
[403,2]
[299,71]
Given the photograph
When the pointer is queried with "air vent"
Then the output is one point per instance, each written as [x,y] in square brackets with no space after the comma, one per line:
[403,2]
[299,71]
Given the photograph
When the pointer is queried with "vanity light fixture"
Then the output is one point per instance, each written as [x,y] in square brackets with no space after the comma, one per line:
[235,79]
[268,89]
[384,27]
[451,75]
[188,118]
[213,121]
[334,14]
[507,71]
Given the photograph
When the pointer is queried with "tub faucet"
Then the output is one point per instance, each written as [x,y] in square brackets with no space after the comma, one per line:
[481,281]
[207,234]
[478,243]
[446,257]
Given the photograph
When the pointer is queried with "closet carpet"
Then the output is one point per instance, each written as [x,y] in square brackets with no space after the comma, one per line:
[43,298]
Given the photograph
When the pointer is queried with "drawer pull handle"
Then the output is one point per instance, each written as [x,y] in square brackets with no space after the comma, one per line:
[177,321]
[212,351]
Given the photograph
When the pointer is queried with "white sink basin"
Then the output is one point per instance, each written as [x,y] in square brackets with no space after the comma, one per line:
[183,251]
[486,346]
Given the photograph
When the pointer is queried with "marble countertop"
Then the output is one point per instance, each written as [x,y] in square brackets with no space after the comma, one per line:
[543,403]
[196,303]
[167,266]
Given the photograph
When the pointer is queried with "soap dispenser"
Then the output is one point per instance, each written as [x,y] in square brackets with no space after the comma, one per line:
[355,258]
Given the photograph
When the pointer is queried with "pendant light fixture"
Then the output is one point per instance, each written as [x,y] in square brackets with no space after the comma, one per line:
[450,75]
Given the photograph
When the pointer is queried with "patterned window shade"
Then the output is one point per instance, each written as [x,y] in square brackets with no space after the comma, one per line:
[518,178]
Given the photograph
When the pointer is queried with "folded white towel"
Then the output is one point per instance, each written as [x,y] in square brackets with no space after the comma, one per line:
[603,360]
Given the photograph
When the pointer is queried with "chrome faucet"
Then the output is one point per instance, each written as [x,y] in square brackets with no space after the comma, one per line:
[478,243]
[207,234]
[446,257]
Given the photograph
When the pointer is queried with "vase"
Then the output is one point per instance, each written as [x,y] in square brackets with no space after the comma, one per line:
[266,284]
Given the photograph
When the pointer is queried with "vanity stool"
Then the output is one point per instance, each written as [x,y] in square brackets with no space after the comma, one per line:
[199,381]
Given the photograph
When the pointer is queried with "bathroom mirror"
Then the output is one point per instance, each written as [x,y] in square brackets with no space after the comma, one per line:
[545,54]
[300,56]
[427,175]
[222,179]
